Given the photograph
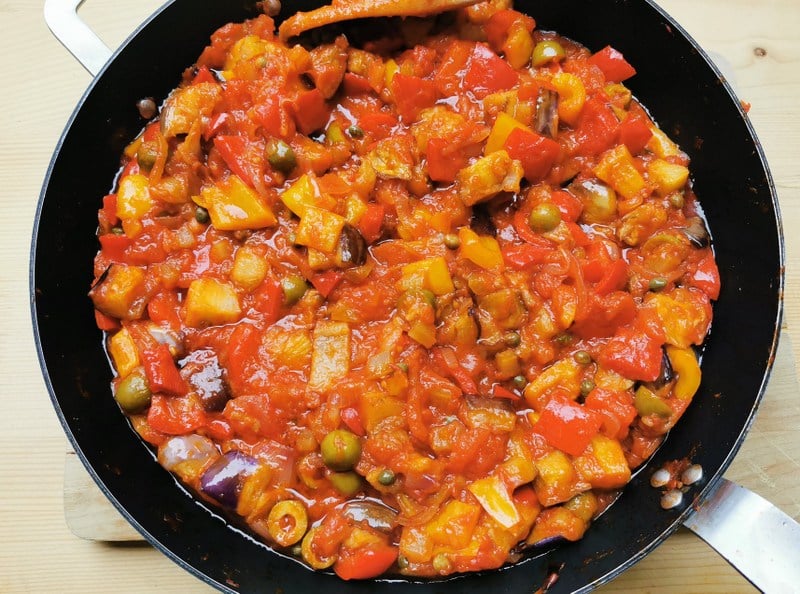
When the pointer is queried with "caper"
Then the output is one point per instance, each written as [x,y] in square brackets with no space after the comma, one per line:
[451,241]
[403,367]
[512,339]
[387,477]
[355,131]
[547,51]
[563,339]
[132,393]
[347,483]
[340,450]
[429,297]
[587,386]
[282,157]
[520,381]
[658,283]
[676,200]
[294,287]
[201,215]
[147,154]
[544,217]
[402,562]
[117,230]
[441,563]
[582,357]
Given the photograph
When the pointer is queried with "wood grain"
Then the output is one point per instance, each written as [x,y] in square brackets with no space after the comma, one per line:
[41,85]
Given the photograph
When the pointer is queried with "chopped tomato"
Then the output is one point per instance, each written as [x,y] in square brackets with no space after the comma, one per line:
[175,415]
[633,354]
[365,563]
[597,127]
[311,112]
[412,94]
[161,371]
[444,160]
[115,246]
[537,153]
[635,133]
[706,276]
[326,282]
[487,72]
[371,224]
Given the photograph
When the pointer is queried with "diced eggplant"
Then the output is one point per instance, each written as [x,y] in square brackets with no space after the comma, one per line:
[224,479]
[352,247]
[547,113]
[202,371]
[697,232]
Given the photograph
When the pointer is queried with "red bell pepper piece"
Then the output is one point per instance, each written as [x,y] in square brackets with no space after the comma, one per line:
[243,345]
[364,563]
[269,300]
[570,207]
[616,408]
[175,415]
[161,371]
[537,153]
[219,429]
[706,276]
[236,153]
[444,160]
[522,257]
[104,322]
[498,391]
[412,94]
[377,124]
[567,425]
[273,116]
[633,353]
[354,84]
[597,127]
[326,282]
[215,124]
[458,373]
[488,73]
[203,75]
[614,277]
[311,112]
[635,134]
[352,420]
[499,24]
[614,66]
[371,224]
[114,246]
[110,209]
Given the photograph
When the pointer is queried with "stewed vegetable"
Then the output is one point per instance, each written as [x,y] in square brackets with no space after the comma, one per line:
[409,306]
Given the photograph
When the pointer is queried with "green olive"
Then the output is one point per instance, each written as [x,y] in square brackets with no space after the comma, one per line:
[387,477]
[347,483]
[282,157]
[582,357]
[648,402]
[340,450]
[132,393]
[147,154]
[451,241]
[544,217]
[201,215]
[547,51]
[294,287]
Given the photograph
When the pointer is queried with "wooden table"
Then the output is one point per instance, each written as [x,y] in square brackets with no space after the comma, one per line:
[41,84]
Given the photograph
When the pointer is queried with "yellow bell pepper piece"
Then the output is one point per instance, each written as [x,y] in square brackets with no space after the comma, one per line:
[565,374]
[684,363]
[211,302]
[330,359]
[503,126]
[233,205]
[667,177]
[604,465]
[482,250]
[571,96]
[556,479]
[319,229]
[424,334]
[133,197]
[518,46]
[431,274]
[493,496]
[454,524]
[617,169]
[662,145]
[493,173]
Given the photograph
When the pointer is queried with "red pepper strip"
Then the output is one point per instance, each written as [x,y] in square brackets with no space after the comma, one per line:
[354,84]
[523,228]
[579,236]
[161,371]
[371,224]
[706,276]
[367,562]
[635,134]
[115,246]
[104,322]
[203,75]
[269,300]
[175,416]
[570,207]
[537,153]
[488,73]
[522,257]
[412,94]
[458,373]
[215,124]
[110,209]
[234,150]
[326,282]
[614,278]
[567,425]
[352,420]
[219,429]
[417,413]
[498,391]
[614,66]
[310,111]
[378,125]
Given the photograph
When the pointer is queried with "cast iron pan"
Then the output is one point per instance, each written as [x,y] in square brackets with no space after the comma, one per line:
[684,93]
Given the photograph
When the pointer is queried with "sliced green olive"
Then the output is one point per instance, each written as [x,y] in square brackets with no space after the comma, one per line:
[648,402]
[512,339]
[294,287]
[282,157]
[544,217]
[547,51]
[340,450]
[132,393]
[347,483]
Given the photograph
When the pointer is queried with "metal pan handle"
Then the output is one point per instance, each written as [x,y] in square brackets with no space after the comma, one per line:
[754,536]
[74,34]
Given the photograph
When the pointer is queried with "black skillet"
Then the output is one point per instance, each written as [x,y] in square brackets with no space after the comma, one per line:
[684,93]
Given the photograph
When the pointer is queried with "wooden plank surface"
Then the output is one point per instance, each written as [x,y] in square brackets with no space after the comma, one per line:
[41,85]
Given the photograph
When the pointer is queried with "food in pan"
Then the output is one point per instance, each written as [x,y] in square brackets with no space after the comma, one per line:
[408,307]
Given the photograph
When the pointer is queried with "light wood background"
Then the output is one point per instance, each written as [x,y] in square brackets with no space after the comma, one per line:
[40,85]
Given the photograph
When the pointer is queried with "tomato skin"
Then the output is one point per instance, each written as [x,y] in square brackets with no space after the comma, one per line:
[365,563]
[613,64]
[567,425]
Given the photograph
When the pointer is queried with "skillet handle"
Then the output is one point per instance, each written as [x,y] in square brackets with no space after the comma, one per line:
[62,18]
[754,536]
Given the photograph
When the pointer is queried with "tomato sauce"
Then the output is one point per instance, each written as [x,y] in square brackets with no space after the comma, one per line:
[411,307]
